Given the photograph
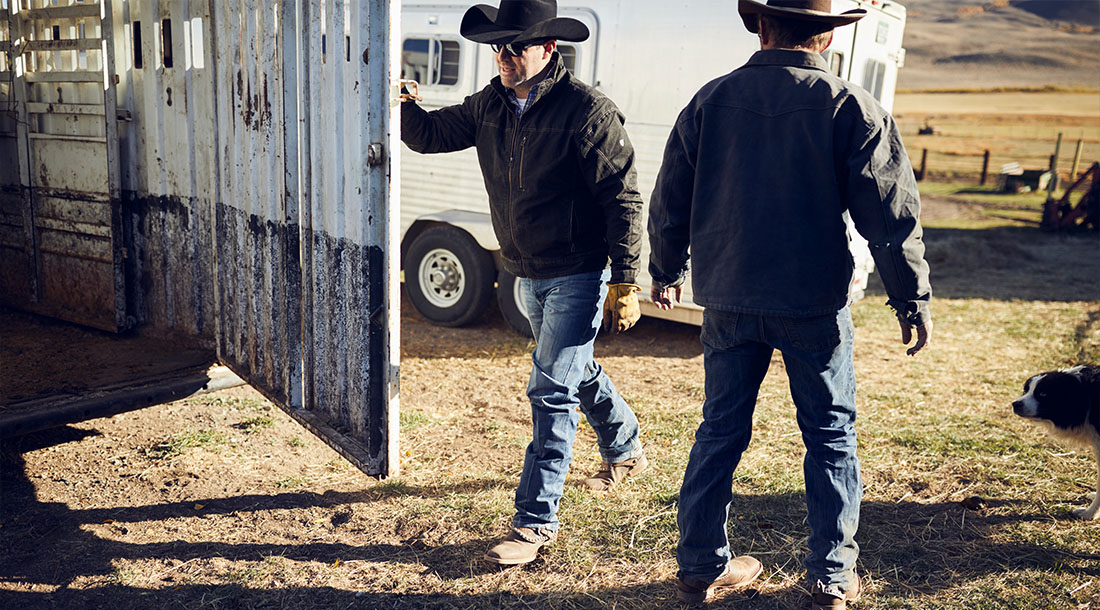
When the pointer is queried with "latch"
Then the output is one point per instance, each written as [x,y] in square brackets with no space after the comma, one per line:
[376,154]
[406,89]
[899,57]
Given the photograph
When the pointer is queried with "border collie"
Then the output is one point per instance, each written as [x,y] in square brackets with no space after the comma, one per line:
[1067,401]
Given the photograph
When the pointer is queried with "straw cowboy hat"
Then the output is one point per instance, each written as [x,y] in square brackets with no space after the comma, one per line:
[519,21]
[820,11]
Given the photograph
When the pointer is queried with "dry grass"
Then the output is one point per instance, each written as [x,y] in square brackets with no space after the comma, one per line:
[306,531]
[245,511]
[1015,127]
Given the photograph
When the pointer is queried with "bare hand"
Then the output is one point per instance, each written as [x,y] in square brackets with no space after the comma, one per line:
[924,336]
[665,299]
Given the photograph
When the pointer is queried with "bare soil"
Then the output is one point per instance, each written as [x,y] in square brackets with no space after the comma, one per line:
[224,502]
[46,357]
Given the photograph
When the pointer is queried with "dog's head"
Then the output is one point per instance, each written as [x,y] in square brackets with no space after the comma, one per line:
[1060,397]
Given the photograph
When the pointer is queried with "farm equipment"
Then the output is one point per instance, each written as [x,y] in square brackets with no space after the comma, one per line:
[1062,214]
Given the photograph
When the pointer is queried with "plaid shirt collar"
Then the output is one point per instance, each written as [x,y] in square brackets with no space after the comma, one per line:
[521,106]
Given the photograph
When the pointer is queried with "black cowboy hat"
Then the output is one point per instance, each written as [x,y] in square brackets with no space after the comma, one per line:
[819,11]
[519,21]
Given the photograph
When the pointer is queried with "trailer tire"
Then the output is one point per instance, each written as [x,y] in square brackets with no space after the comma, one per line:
[511,305]
[449,277]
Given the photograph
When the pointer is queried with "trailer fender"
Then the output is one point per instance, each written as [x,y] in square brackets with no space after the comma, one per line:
[478,225]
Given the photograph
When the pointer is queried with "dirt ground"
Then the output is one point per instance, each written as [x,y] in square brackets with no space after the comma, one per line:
[222,501]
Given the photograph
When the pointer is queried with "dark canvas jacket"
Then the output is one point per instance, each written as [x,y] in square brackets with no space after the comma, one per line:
[562,186]
[757,174]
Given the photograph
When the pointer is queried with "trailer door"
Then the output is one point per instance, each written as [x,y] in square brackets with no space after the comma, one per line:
[305,247]
[60,188]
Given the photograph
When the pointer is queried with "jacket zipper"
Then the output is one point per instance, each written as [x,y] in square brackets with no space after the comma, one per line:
[522,148]
[511,199]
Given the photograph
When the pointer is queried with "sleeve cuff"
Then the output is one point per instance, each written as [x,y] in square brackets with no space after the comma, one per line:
[914,313]
[623,276]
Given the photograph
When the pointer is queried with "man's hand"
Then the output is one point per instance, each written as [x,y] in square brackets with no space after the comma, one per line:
[665,298]
[410,91]
[924,336]
[620,309]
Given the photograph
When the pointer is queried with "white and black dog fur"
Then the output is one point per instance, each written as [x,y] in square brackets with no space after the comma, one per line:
[1068,402]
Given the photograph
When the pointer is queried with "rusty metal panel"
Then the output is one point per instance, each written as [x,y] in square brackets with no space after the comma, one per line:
[349,242]
[66,144]
[303,239]
[256,237]
[168,149]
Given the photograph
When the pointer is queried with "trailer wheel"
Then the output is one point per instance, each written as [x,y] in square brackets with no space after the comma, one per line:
[511,303]
[449,276]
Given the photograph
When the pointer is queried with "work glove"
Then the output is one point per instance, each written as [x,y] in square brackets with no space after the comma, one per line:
[620,309]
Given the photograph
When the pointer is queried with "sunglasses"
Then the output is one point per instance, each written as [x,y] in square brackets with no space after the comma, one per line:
[513,50]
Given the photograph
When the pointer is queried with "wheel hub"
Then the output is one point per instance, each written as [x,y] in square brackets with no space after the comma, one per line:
[442,279]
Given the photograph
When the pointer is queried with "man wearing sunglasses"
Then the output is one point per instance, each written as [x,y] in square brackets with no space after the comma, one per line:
[559,170]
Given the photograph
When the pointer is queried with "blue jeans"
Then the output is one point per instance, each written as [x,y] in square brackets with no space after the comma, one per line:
[565,314]
[817,353]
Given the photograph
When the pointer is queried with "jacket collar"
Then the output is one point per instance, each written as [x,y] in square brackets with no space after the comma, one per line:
[557,73]
[789,57]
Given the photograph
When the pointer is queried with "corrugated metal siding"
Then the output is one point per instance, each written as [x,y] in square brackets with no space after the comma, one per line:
[316,333]
[168,164]
[349,327]
[257,232]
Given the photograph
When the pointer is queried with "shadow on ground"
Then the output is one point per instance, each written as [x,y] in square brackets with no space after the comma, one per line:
[939,545]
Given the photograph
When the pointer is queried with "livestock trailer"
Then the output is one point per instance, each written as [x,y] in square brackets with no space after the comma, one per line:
[216,174]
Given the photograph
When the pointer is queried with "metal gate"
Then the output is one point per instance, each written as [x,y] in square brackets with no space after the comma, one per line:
[60,191]
[306,252]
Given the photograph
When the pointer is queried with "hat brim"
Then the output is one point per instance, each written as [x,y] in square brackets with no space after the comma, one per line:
[479,25]
[751,10]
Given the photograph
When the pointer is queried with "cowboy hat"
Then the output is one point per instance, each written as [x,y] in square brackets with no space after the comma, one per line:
[819,11]
[518,21]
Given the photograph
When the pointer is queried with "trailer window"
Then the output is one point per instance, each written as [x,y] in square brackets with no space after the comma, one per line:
[873,78]
[430,61]
[568,54]
[835,60]
[882,32]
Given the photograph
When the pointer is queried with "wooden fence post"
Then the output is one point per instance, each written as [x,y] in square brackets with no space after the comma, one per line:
[1076,161]
[923,164]
[985,167]
[1053,184]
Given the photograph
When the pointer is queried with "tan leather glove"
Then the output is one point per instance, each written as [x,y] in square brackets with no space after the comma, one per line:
[620,309]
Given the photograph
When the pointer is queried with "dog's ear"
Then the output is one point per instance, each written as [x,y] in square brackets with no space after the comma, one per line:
[1030,382]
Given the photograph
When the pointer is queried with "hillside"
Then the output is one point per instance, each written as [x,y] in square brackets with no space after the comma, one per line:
[1003,43]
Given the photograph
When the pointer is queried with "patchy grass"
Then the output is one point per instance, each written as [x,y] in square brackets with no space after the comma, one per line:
[178,444]
[255,424]
[411,420]
[965,505]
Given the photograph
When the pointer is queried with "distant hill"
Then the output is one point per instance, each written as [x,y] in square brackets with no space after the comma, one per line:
[1001,43]
[1083,12]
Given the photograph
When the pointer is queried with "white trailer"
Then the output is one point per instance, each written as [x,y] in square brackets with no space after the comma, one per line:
[650,57]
